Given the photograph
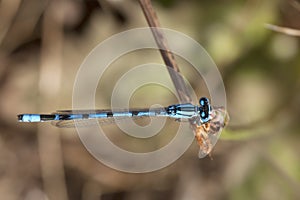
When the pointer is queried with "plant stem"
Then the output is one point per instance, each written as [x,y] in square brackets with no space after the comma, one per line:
[166,54]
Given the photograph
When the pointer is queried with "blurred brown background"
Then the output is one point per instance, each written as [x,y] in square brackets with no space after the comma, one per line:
[43,43]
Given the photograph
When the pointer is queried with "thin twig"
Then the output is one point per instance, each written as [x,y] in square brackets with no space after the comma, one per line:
[166,54]
[285,30]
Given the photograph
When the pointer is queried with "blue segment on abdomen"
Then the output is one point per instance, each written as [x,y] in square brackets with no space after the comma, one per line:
[98,115]
[31,118]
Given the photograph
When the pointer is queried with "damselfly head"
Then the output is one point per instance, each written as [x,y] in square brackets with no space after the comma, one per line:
[204,110]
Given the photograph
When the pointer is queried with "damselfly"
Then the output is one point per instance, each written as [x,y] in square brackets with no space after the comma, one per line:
[207,121]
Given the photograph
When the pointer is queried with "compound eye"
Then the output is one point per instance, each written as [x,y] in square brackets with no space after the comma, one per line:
[204,115]
[203,101]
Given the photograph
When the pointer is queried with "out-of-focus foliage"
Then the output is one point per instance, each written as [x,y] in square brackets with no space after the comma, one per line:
[43,43]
